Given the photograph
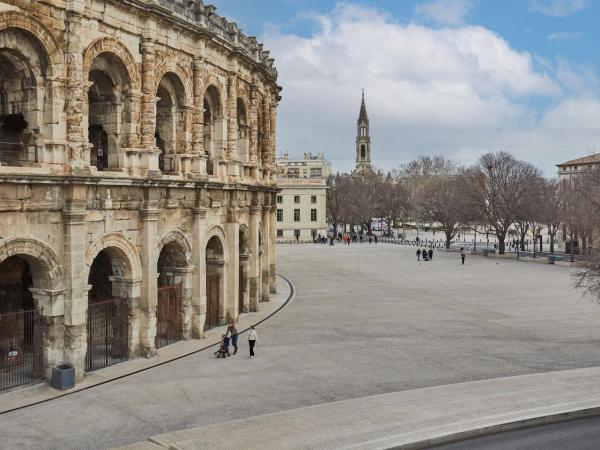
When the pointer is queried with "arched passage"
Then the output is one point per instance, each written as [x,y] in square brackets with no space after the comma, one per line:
[28,270]
[170,120]
[215,273]
[109,109]
[174,292]
[108,309]
[213,127]
[24,69]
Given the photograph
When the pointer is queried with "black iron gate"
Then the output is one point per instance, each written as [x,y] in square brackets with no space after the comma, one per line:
[21,349]
[169,316]
[107,333]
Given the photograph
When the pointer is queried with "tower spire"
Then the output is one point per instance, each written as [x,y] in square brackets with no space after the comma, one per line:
[363,140]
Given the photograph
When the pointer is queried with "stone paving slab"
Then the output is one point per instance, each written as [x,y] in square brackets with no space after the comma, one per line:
[410,419]
[42,392]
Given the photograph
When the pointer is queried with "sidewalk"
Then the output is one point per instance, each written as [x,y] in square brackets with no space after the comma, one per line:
[42,392]
[405,420]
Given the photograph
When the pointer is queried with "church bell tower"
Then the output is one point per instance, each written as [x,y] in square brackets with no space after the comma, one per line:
[363,140]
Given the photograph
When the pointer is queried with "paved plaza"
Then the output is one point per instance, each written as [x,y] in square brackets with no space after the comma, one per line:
[366,320]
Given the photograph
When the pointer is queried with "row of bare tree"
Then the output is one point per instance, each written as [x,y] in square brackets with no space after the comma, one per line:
[498,192]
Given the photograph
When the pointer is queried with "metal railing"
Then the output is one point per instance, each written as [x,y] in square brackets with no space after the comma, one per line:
[107,333]
[21,349]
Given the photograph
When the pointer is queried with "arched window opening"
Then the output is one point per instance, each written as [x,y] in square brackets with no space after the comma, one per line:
[170,121]
[23,71]
[213,128]
[363,152]
[109,109]
[169,315]
[214,283]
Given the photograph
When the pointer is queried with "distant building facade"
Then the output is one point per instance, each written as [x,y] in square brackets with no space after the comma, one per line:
[578,166]
[302,202]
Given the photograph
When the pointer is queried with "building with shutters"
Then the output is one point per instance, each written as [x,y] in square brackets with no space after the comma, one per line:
[301,205]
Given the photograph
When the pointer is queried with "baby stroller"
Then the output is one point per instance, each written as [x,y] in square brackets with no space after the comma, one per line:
[223,351]
[425,255]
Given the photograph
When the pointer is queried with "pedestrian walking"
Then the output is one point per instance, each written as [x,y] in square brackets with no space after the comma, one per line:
[462,255]
[419,255]
[252,340]
[232,331]
[430,254]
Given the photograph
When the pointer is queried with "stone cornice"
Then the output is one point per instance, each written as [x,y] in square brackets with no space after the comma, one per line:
[203,20]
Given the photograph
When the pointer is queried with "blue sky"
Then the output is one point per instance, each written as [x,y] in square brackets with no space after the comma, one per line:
[454,77]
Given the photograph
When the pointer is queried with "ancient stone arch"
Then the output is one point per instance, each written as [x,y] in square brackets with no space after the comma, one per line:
[179,238]
[52,47]
[113,46]
[181,73]
[219,233]
[125,256]
[45,265]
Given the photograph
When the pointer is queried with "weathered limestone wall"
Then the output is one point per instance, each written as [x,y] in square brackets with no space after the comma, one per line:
[102,64]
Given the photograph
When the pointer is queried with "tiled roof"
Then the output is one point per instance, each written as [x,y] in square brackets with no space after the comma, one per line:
[595,158]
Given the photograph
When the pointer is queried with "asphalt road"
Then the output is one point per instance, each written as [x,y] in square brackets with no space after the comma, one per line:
[581,434]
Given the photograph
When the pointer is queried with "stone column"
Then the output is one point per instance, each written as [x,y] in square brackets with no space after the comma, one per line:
[272,250]
[76,279]
[266,213]
[244,282]
[232,128]
[273,139]
[149,287]
[254,269]
[78,150]
[266,150]
[254,106]
[51,306]
[198,300]
[131,289]
[200,156]
[149,105]
[232,235]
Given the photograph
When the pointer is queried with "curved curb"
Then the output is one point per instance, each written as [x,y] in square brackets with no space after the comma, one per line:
[162,363]
[465,436]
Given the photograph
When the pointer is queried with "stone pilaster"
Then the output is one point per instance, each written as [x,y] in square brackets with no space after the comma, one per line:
[245,283]
[76,276]
[149,286]
[78,149]
[266,222]
[51,306]
[148,143]
[254,107]
[232,235]
[198,300]
[272,250]
[266,150]
[232,128]
[254,272]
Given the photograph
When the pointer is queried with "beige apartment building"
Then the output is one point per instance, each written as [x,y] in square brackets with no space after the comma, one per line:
[302,202]
[137,180]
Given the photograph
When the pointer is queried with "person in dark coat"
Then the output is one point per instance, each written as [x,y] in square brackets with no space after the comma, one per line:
[430,254]
[419,255]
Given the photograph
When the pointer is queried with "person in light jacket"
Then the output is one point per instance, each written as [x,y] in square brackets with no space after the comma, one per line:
[252,340]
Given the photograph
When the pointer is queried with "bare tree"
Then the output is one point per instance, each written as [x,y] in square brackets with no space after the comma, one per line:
[337,198]
[390,201]
[550,209]
[498,185]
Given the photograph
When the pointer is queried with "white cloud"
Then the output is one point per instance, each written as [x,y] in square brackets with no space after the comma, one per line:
[458,91]
[564,36]
[558,8]
[445,12]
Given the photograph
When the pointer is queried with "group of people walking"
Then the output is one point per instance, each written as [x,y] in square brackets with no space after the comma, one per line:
[231,338]
[426,255]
